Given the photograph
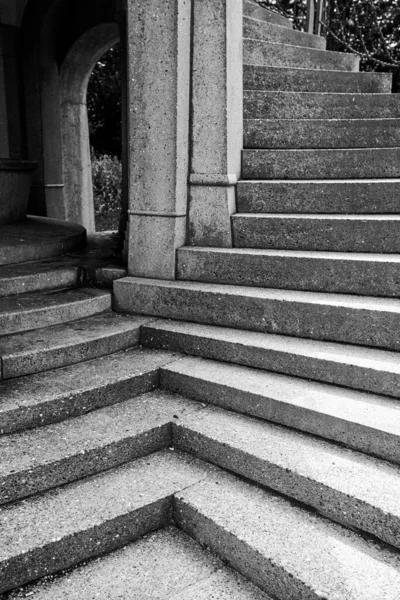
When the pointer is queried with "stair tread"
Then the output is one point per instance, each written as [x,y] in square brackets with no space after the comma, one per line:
[319,217]
[47,299]
[66,343]
[345,485]
[35,531]
[284,549]
[42,393]
[253,27]
[51,273]
[262,14]
[164,564]
[36,460]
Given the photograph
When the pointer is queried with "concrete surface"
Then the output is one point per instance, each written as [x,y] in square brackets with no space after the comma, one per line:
[356,367]
[254,10]
[319,196]
[262,30]
[15,184]
[365,422]
[44,398]
[34,276]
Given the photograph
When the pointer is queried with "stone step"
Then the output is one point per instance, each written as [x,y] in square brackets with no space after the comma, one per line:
[313,80]
[68,343]
[336,317]
[52,396]
[341,484]
[262,53]
[336,233]
[359,163]
[356,367]
[314,105]
[164,564]
[319,196]
[337,272]
[364,422]
[44,458]
[284,549]
[254,10]
[42,309]
[38,238]
[48,533]
[262,30]
[36,276]
[321,133]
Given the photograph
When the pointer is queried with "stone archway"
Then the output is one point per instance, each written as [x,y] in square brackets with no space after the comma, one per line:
[74,77]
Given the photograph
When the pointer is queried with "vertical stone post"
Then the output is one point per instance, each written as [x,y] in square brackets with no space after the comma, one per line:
[216,121]
[158,120]
[11,134]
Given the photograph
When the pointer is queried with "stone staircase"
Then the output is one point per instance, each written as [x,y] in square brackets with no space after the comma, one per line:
[251,406]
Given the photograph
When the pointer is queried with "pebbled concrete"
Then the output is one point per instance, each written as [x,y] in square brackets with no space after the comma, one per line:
[380,163]
[338,272]
[319,196]
[262,53]
[364,422]
[42,309]
[47,457]
[356,367]
[341,484]
[319,105]
[254,10]
[314,80]
[44,398]
[41,237]
[285,550]
[164,564]
[68,343]
[335,233]
[319,316]
[48,533]
[34,276]
[262,30]
[321,133]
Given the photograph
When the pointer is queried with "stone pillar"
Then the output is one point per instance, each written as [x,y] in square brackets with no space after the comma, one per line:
[158,121]
[217,120]
[11,131]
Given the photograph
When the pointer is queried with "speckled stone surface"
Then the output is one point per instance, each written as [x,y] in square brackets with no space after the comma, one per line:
[351,366]
[43,458]
[344,485]
[321,133]
[314,105]
[32,276]
[256,29]
[254,10]
[44,398]
[313,80]
[68,343]
[47,533]
[336,317]
[362,421]
[262,53]
[338,272]
[318,196]
[326,164]
[166,564]
[287,551]
[41,309]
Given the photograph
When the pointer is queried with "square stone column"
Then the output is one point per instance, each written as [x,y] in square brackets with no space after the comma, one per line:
[11,133]
[158,56]
[216,121]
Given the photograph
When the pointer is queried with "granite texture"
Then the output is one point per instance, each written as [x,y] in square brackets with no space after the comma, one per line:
[262,30]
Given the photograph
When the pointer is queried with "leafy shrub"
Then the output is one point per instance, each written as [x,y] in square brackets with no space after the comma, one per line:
[107,190]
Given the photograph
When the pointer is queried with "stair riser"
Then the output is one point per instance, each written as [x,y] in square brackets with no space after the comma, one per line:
[353,435]
[51,280]
[52,315]
[297,105]
[321,164]
[353,197]
[317,234]
[72,405]
[317,275]
[40,479]
[251,9]
[279,361]
[300,80]
[256,312]
[260,53]
[71,550]
[53,358]
[306,133]
[283,35]
[330,502]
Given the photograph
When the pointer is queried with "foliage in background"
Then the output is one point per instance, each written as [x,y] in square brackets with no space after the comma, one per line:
[107,177]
